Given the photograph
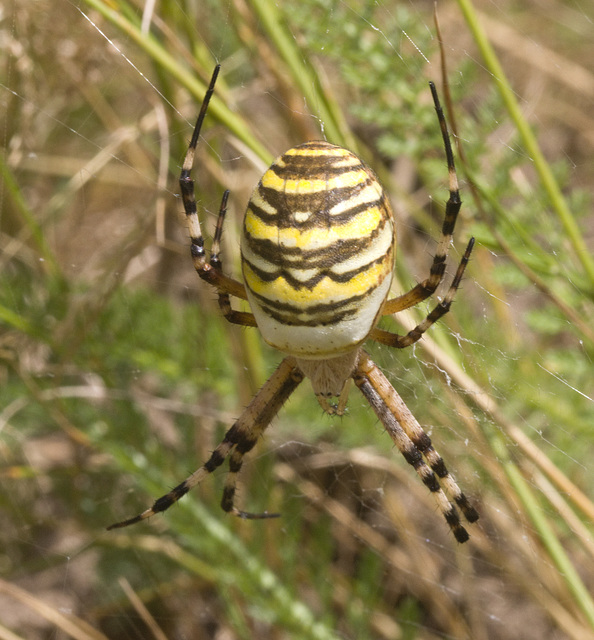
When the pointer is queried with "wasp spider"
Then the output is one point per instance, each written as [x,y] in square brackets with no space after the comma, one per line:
[317,255]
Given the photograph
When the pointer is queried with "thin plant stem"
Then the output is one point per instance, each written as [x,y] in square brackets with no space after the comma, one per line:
[550,184]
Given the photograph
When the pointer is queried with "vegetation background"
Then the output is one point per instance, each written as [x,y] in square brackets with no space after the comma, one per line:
[118,375]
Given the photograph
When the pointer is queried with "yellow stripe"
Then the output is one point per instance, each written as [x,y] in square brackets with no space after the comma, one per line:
[327,150]
[271,180]
[325,291]
[361,226]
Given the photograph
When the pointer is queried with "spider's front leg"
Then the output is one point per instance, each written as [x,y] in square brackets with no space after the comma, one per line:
[424,289]
[211,271]
[415,334]
[231,315]
[186,183]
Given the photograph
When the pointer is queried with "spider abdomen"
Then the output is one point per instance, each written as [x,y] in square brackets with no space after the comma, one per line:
[317,251]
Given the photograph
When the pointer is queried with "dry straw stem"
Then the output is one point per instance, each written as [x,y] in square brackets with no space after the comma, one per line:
[141,609]
[73,626]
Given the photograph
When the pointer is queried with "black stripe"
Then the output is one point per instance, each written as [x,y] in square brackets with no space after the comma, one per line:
[318,320]
[164,502]
[319,204]
[315,315]
[298,258]
[318,308]
[341,278]
[316,167]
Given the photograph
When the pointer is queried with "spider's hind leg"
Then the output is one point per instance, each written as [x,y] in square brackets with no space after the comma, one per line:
[414,443]
[238,440]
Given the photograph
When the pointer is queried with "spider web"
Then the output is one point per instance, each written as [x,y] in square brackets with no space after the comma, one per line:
[119,375]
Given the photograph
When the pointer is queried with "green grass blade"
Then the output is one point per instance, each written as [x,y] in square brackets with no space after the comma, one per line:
[556,552]
[305,77]
[558,202]
[183,76]
[27,218]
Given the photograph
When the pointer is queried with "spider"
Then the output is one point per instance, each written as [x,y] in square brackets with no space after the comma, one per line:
[317,254]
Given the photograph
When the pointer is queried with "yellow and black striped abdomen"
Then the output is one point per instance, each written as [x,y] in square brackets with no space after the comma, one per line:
[317,251]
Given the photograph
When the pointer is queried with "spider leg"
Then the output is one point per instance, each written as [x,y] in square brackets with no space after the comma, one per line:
[413,443]
[238,440]
[235,317]
[426,288]
[400,342]
[210,271]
